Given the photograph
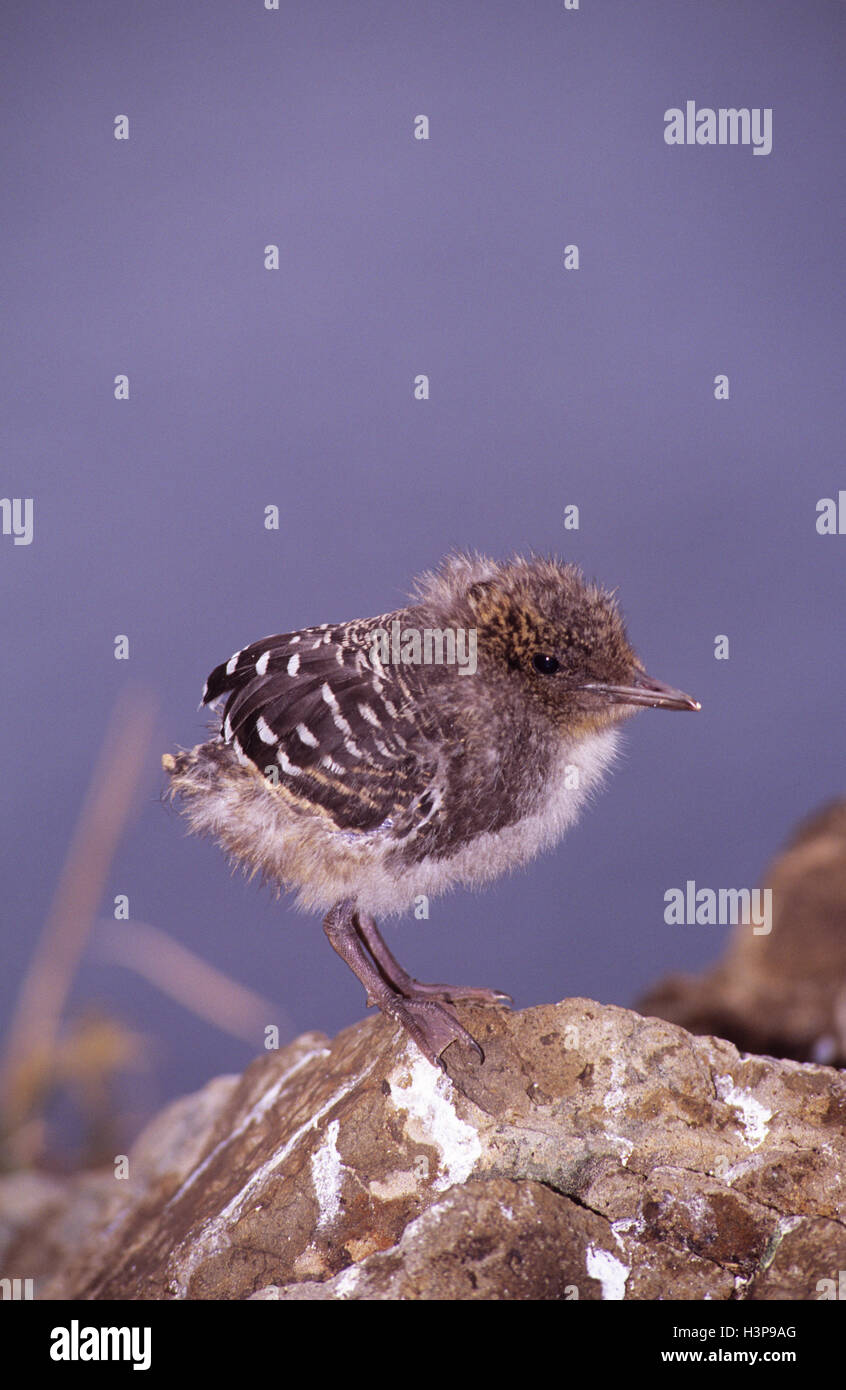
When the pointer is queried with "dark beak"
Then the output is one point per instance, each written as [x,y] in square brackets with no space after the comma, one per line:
[646,691]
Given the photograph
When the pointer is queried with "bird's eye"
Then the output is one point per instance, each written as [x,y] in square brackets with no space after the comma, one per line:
[546,665]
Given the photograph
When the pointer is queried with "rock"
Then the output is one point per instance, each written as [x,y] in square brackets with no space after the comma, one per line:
[783,993]
[595,1154]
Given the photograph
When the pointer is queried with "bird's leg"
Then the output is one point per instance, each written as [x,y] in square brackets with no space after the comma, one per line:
[431,1025]
[406,984]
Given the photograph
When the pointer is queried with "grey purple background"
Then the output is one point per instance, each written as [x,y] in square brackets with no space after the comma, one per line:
[295,388]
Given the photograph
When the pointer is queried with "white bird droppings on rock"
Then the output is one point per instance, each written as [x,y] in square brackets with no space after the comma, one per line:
[609,1271]
[327,1173]
[424,1093]
[754,1117]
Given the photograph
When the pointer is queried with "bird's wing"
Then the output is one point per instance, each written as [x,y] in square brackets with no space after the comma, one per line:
[346,740]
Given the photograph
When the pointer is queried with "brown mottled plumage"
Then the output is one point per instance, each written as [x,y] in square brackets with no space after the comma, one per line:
[363,781]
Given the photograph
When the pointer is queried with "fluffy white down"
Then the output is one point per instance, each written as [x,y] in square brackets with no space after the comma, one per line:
[307,855]
[382,891]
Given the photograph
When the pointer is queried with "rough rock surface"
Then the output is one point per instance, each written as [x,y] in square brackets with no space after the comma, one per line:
[595,1154]
[783,993]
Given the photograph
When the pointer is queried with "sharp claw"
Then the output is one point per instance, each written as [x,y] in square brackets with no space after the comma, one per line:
[451,994]
[432,1026]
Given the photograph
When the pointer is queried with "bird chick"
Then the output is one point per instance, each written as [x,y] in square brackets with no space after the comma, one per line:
[367,763]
